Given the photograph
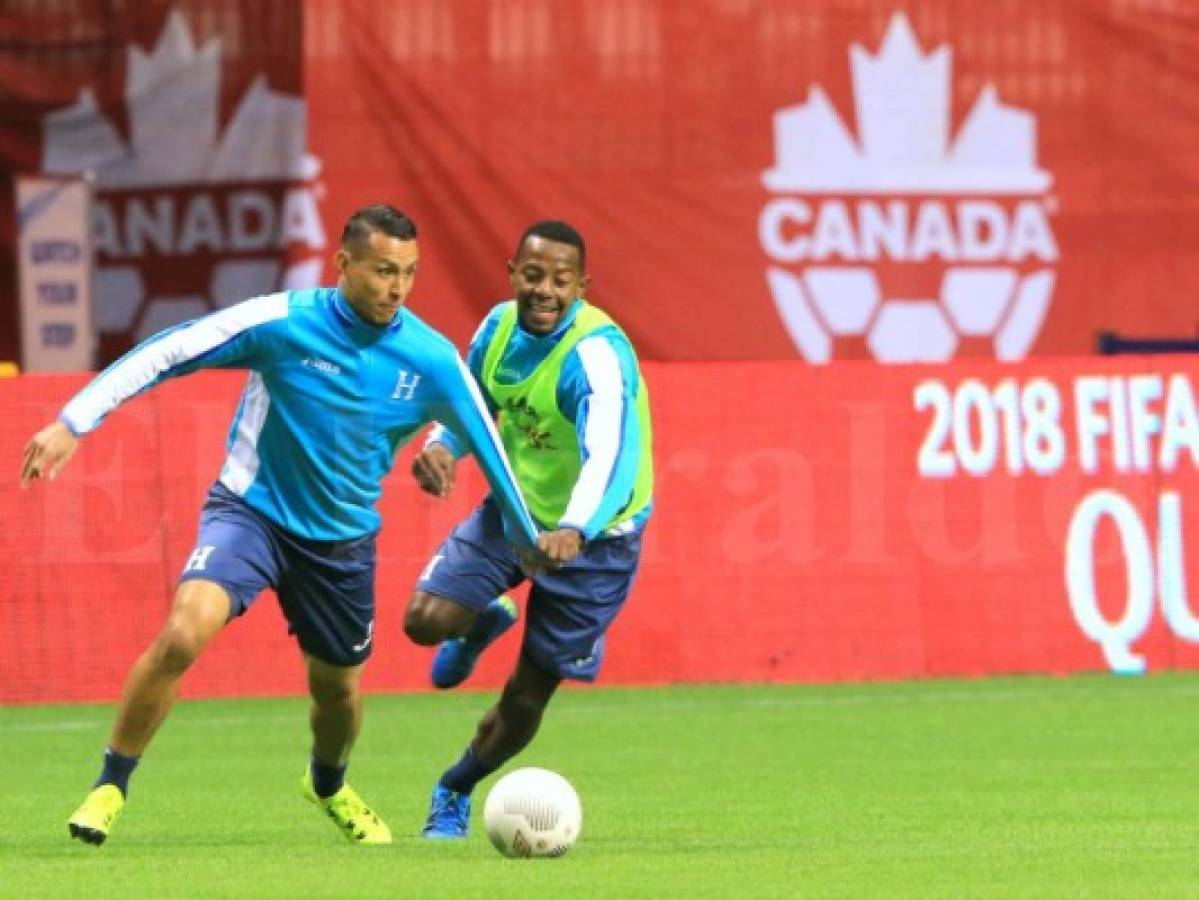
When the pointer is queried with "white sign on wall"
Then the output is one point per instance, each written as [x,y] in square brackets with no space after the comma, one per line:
[54,264]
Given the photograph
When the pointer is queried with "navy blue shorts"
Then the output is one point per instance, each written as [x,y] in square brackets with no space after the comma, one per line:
[326,588]
[569,609]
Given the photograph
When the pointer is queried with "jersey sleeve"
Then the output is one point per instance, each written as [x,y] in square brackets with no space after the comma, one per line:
[598,389]
[237,337]
[474,362]
[464,411]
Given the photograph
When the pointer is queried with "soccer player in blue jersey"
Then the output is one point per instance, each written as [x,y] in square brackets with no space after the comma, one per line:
[339,379]
[573,413]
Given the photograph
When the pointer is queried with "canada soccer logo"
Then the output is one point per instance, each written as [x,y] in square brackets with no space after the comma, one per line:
[900,236]
[187,218]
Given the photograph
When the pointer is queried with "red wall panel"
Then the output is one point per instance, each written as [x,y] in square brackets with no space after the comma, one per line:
[806,529]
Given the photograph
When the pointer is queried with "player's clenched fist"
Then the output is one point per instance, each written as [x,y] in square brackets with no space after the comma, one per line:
[433,470]
[560,546]
[47,452]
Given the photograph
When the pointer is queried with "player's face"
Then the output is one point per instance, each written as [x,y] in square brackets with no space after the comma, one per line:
[546,279]
[378,279]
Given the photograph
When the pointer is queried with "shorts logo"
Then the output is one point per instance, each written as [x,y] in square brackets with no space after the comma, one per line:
[904,238]
[584,661]
[405,385]
[425,575]
[370,635]
[196,562]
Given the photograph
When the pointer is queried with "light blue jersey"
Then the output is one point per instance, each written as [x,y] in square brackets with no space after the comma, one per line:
[329,400]
[597,388]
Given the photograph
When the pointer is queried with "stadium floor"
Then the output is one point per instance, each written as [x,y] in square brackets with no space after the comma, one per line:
[1012,787]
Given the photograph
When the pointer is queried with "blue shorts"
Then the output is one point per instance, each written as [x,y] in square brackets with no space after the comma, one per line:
[569,609]
[326,588]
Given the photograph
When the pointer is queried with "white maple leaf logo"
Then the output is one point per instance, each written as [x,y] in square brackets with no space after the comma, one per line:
[902,101]
[173,96]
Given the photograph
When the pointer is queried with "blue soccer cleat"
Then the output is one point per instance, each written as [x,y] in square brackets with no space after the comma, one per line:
[456,658]
[449,815]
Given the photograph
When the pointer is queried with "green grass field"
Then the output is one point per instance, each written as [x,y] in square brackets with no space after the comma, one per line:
[1028,787]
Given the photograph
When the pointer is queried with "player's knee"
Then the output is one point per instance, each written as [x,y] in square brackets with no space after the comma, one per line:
[332,693]
[177,646]
[198,611]
[430,620]
[421,627]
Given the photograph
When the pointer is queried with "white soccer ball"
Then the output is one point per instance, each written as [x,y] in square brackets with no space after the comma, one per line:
[533,812]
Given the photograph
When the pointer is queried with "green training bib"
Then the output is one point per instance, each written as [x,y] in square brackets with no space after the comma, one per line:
[540,441]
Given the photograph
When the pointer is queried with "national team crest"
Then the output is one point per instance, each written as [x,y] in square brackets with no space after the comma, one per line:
[406,383]
[908,236]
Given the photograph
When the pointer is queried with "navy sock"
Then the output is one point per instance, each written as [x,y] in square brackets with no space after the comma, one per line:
[327,780]
[116,770]
[463,775]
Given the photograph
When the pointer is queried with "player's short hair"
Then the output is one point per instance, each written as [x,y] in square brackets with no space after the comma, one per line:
[558,231]
[379,217]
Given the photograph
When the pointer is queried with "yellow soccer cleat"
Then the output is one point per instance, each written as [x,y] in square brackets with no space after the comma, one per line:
[96,815]
[357,821]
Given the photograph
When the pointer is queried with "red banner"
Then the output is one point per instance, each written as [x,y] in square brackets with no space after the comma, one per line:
[811,524]
[767,180]
[762,180]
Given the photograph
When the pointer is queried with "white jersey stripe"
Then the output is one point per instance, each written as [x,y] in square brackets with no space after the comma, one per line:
[241,465]
[148,364]
[481,404]
[602,433]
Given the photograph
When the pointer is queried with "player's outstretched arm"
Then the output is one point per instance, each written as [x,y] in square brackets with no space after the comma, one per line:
[236,337]
[47,452]
[229,338]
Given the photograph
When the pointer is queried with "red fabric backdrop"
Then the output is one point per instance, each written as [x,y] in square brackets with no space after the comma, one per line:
[652,125]
[801,531]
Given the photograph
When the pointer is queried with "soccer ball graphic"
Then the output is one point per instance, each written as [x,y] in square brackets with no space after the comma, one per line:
[533,812]
[825,303]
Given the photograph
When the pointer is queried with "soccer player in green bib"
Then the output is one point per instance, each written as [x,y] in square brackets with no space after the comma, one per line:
[573,415]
